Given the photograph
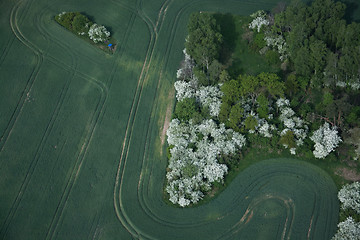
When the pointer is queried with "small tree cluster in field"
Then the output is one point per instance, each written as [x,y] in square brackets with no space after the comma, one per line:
[81,25]
[348,230]
[193,163]
[349,196]
[326,139]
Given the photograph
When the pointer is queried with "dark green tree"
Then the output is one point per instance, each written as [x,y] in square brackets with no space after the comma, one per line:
[81,24]
[236,116]
[186,109]
[214,72]
[204,40]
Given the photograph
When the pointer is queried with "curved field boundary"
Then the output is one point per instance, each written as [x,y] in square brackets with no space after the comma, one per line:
[87,139]
[122,216]
[145,208]
[137,232]
[133,231]
[137,192]
[39,59]
[261,189]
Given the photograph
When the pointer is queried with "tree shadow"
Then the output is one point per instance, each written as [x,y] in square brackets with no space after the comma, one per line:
[351,8]
[230,36]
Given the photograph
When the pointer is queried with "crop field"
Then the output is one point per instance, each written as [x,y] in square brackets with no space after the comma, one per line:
[82,134]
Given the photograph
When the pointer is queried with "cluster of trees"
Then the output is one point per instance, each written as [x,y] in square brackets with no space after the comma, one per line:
[193,163]
[301,110]
[196,138]
[203,44]
[81,25]
[349,196]
[317,40]
[321,43]
[322,58]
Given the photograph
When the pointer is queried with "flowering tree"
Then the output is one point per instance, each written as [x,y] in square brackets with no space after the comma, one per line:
[348,230]
[98,33]
[326,139]
[193,163]
[210,96]
[259,20]
[278,43]
[349,196]
[295,129]
[187,66]
[187,87]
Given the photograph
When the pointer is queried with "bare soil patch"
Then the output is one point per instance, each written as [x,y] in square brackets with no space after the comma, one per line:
[167,117]
[348,174]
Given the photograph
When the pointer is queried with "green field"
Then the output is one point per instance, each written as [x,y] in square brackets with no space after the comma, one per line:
[81,133]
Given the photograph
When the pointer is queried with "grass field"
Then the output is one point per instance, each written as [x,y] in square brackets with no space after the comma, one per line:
[81,132]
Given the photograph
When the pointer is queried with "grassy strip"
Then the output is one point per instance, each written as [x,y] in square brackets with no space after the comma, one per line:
[79,25]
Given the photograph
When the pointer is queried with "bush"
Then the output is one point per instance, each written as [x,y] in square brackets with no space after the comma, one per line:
[186,109]
[258,42]
[65,19]
[81,24]
[272,57]
[98,33]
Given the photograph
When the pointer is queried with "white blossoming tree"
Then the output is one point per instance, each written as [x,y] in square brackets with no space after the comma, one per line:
[295,129]
[348,230]
[278,43]
[187,66]
[349,196]
[193,163]
[259,20]
[326,139]
[210,96]
[98,33]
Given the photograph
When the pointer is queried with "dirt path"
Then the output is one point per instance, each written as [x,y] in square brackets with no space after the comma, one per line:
[167,117]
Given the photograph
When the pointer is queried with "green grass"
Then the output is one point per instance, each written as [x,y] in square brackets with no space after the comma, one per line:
[80,130]
[237,55]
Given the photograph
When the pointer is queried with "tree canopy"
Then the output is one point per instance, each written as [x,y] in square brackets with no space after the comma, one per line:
[321,44]
[204,40]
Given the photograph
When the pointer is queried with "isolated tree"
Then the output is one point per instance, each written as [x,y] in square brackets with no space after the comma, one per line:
[204,40]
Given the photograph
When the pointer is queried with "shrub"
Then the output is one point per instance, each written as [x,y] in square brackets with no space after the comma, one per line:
[81,24]
[349,196]
[98,33]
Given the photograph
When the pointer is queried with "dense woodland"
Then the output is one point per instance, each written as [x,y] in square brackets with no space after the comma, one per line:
[310,107]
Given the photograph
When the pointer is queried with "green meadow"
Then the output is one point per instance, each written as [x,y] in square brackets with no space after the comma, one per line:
[82,140]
